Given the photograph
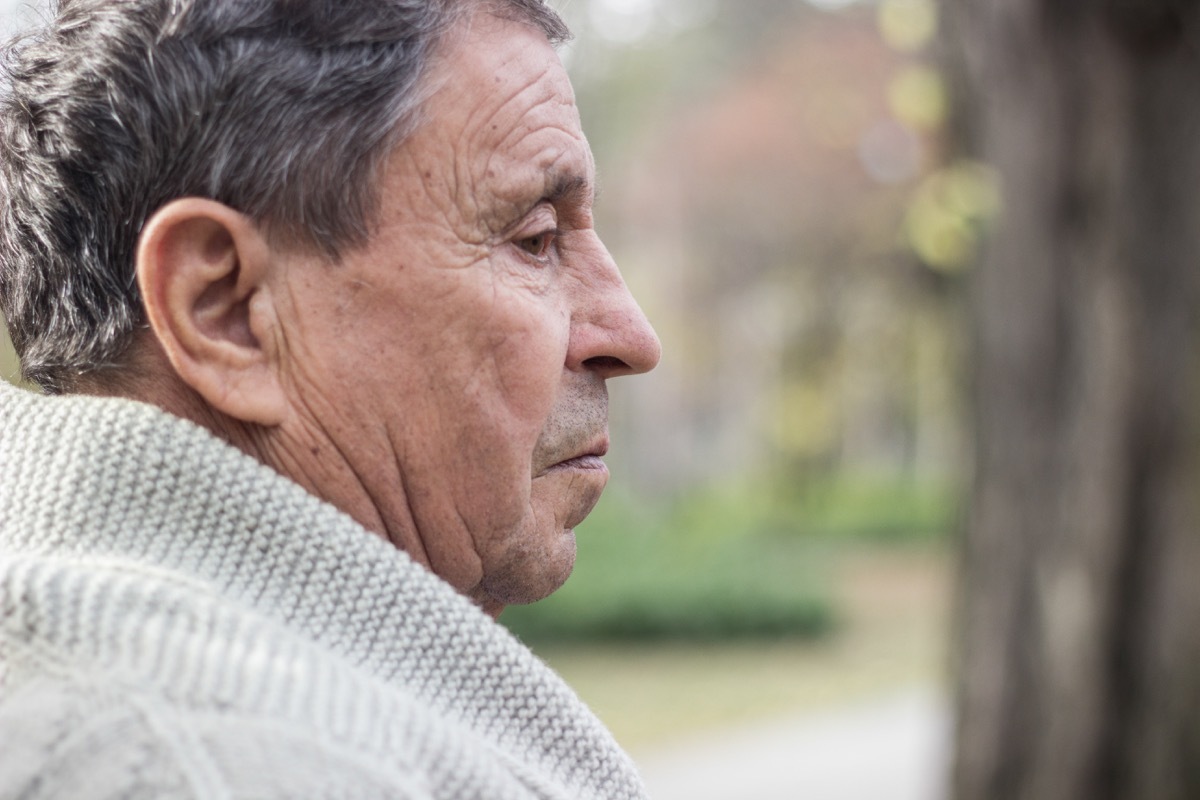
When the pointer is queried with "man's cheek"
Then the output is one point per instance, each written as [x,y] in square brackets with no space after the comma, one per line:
[493,482]
[528,362]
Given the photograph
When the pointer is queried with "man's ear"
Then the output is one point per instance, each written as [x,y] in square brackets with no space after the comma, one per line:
[202,269]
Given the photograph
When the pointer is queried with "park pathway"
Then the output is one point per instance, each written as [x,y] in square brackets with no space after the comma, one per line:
[894,748]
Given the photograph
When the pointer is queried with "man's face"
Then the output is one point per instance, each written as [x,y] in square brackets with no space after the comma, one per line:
[456,364]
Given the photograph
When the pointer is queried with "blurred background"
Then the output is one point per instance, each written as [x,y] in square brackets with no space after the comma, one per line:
[761,603]
[775,543]
[764,599]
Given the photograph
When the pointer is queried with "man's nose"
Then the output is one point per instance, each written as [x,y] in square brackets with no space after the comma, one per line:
[610,334]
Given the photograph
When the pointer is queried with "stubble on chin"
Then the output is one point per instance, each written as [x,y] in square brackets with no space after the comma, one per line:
[531,571]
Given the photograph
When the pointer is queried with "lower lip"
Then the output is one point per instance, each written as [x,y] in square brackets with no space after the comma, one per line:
[584,463]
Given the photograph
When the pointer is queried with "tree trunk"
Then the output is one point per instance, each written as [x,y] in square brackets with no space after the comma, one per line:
[1079,674]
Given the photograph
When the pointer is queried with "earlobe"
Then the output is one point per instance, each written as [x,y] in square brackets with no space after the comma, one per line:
[202,269]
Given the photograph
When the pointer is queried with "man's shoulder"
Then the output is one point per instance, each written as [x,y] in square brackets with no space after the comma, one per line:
[124,680]
[111,624]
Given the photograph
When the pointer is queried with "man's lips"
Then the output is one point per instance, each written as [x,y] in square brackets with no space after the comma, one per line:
[591,459]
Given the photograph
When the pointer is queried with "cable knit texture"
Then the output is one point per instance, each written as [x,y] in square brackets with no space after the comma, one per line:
[178,620]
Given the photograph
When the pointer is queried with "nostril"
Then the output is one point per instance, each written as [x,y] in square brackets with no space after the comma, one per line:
[606,364]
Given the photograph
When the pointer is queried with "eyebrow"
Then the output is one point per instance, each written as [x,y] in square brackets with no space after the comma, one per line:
[568,186]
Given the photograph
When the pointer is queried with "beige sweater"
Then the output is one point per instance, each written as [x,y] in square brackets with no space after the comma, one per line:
[177,620]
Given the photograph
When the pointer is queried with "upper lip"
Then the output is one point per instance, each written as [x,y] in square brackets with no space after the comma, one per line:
[598,448]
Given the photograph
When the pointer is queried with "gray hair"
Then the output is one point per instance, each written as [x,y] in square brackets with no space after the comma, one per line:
[282,109]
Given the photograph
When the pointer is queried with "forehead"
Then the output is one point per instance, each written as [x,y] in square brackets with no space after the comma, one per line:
[502,109]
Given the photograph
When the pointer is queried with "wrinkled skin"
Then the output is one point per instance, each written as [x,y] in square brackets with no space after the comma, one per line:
[446,382]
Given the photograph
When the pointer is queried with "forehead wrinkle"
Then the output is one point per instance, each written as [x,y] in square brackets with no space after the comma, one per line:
[481,128]
[414,184]
[556,173]
[534,113]
[464,198]
[467,193]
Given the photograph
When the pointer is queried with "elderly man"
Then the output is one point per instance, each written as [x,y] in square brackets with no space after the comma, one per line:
[324,325]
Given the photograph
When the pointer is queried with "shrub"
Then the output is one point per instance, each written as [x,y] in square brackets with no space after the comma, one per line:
[647,576]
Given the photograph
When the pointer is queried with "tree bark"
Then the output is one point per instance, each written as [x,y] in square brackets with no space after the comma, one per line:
[1079,673]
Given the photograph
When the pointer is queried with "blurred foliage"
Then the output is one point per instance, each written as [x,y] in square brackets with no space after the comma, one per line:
[773,194]
[735,562]
[868,508]
[692,573]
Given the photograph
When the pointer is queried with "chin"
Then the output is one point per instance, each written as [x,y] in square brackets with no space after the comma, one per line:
[537,556]
[531,573]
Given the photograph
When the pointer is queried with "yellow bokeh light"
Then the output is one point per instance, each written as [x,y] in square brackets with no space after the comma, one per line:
[917,97]
[947,212]
[908,25]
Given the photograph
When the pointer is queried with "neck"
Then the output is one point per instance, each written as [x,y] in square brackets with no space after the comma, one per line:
[368,487]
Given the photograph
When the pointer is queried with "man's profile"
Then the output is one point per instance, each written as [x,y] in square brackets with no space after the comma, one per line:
[324,328]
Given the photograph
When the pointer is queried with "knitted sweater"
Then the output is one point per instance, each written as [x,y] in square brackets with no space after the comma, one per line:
[178,620]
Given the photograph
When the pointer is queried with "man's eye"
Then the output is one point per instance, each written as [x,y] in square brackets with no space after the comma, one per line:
[538,245]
